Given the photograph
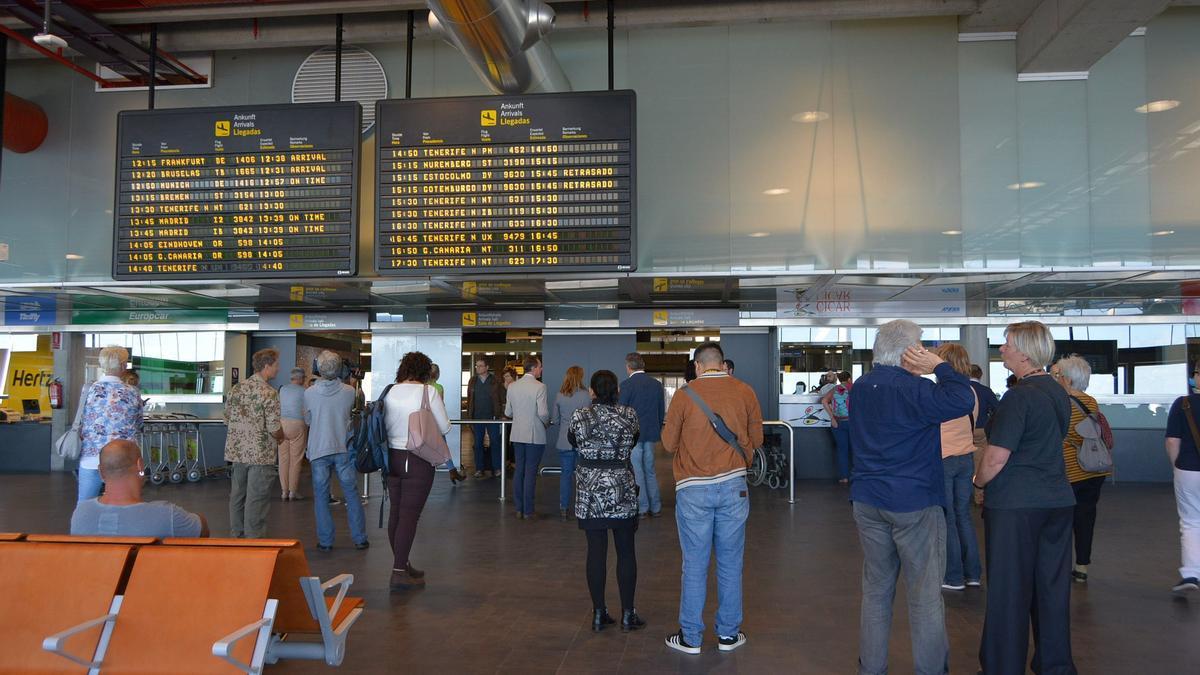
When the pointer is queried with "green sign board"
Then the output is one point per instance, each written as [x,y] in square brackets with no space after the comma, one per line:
[105,310]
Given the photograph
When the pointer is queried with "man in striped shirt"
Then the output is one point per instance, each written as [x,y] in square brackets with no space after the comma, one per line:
[711,497]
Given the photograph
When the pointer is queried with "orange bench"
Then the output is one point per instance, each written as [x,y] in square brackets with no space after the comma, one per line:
[154,627]
[304,607]
[46,587]
[11,536]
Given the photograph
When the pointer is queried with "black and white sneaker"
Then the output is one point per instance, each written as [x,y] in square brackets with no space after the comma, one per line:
[728,644]
[1186,585]
[675,641]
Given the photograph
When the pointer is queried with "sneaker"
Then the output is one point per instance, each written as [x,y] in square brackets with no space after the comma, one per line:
[974,582]
[953,587]
[323,548]
[334,501]
[728,644]
[675,641]
[1186,585]
[477,475]
[1079,577]
[362,545]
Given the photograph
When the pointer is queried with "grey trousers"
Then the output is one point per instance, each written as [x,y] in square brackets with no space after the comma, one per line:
[250,499]
[915,543]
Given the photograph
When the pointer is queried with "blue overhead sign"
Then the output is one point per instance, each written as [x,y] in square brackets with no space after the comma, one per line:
[30,310]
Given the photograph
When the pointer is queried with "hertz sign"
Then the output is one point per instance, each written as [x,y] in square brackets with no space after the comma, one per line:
[249,191]
[536,183]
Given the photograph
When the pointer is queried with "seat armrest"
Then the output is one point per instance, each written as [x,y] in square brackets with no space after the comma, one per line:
[342,581]
[262,627]
[56,643]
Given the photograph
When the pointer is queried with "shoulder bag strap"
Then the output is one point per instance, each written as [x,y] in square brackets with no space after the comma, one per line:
[1191,419]
[425,397]
[712,418]
[82,404]
[1082,407]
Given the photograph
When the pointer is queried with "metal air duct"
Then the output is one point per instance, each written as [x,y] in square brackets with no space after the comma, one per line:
[503,41]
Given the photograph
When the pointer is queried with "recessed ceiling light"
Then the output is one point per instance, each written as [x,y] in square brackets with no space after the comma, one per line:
[759,235]
[774,192]
[1157,106]
[1027,185]
[1161,233]
[74,256]
[951,233]
[810,116]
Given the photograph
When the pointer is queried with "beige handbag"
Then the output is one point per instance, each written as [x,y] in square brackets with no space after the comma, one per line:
[425,439]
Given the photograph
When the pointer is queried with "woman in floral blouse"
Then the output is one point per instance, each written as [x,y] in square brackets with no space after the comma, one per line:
[111,410]
[604,434]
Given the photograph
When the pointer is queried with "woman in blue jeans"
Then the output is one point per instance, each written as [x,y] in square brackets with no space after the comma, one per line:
[571,397]
[958,466]
[836,402]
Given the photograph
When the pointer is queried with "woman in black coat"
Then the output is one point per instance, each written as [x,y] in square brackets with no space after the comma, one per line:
[606,495]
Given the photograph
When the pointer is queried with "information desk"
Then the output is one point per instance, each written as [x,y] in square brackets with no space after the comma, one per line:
[534,183]
[249,191]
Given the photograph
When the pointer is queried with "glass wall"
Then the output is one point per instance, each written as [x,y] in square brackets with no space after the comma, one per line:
[166,363]
[873,145]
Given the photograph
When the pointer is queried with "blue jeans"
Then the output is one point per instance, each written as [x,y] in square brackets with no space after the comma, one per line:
[841,438]
[89,484]
[322,467]
[483,461]
[708,517]
[962,548]
[913,542]
[649,497]
[566,480]
[529,455]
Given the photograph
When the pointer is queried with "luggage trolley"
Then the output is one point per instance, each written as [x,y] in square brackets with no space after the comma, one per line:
[174,448]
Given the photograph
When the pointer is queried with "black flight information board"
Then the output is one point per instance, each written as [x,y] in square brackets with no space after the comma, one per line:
[507,184]
[237,192]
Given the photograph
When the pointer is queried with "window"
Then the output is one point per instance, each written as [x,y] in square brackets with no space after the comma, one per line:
[166,363]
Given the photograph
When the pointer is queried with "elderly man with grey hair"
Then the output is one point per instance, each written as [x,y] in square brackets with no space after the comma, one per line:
[111,410]
[328,405]
[295,434]
[898,492]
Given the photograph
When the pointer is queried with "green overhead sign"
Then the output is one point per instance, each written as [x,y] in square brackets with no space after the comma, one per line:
[121,311]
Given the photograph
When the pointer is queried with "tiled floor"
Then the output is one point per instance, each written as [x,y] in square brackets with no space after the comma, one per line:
[509,596]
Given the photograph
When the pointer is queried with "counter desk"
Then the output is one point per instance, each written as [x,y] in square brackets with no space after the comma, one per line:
[25,447]
[814,442]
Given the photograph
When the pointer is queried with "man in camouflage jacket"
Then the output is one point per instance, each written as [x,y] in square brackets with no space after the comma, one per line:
[254,432]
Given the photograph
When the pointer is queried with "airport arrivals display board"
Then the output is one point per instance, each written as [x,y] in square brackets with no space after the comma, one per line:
[507,184]
[237,192]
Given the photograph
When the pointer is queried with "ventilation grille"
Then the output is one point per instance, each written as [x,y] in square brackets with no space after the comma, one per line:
[363,80]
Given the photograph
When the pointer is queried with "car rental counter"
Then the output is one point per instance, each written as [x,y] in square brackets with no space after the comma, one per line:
[25,446]
[814,442]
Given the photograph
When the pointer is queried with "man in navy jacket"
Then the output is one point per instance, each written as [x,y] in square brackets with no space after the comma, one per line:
[645,395]
[898,494]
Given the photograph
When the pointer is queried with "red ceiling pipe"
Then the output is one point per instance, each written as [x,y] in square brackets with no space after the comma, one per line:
[25,124]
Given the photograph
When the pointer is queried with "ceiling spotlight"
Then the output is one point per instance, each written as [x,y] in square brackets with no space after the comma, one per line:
[1157,106]
[1027,185]
[951,233]
[810,117]
[774,192]
[74,256]
[1161,233]
[759,235]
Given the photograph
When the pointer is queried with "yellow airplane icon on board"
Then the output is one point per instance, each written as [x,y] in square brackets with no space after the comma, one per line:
[487,118]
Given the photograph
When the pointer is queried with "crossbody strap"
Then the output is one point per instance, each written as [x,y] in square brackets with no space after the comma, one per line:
[712,419]
[1187,413]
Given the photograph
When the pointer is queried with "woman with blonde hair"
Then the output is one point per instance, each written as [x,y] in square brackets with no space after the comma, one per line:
[1027,514]
[112,410]
[572,396]
[958,466]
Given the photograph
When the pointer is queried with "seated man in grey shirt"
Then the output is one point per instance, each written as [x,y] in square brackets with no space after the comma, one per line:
[120,511]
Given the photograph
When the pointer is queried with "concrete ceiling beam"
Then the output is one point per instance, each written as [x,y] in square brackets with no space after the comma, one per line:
[1072,35]
[998,16]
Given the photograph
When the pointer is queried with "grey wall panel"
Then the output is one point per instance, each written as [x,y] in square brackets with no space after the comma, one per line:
[591,352]
[286,344]
[751,356]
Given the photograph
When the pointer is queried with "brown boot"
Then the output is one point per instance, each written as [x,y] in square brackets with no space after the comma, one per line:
[403,581]
[414,572]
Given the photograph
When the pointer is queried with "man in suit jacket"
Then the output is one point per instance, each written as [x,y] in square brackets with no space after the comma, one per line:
[645,395]
[526,406]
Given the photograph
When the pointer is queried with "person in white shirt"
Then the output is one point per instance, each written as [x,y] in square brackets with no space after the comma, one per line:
[410,477]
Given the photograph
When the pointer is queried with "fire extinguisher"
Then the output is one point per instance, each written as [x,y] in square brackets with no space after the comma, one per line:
[56,394]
